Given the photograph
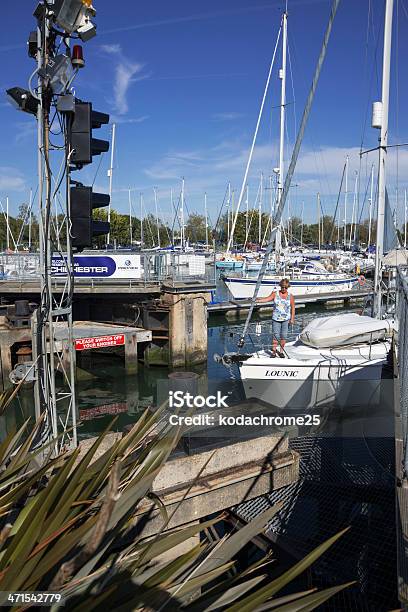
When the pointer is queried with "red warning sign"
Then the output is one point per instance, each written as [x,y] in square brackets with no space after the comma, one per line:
[83,344]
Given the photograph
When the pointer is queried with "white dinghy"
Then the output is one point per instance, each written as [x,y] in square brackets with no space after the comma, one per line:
[345,329]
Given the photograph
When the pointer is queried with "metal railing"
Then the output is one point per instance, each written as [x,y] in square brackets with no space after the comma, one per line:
[154,267]
[401,351]
[401,431]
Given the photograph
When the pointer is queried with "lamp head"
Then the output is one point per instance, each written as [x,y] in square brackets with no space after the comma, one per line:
[23,100]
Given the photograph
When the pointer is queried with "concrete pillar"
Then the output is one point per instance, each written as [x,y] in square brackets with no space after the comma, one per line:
[131,353]
[188,328]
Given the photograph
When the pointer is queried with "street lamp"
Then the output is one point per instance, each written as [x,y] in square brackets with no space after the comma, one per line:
[23,100]
[74,16]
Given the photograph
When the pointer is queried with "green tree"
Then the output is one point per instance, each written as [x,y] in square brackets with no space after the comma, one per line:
[195,227]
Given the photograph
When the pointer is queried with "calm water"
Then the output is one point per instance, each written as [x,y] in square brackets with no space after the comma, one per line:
[109,389]
[103,389]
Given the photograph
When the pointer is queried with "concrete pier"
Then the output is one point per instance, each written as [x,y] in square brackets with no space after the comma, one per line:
[179,328]
[188,328]
[237,471]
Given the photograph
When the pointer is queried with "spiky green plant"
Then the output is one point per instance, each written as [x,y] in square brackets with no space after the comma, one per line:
[67,524]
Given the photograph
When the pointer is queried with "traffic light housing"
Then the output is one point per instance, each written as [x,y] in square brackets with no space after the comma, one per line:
[83,227]
[82,144]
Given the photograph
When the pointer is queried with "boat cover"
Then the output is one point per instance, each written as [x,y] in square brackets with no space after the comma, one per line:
[344,329]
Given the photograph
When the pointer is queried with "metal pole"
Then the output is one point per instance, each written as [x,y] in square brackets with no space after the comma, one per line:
[260,212]
[7,225]
[141,220]
[110,174]
[301,228]
[371,204]
[282,76]
[130,219]
[70,324]
[353,211]
[383,157]
[172,208]
[247,212]
[39,391]
[182,215]
[30,219]
[228,217]
[157,216]
[345,204]
[206,220]
[318,218]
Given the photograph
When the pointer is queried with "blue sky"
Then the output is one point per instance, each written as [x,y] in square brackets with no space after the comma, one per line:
[183,83]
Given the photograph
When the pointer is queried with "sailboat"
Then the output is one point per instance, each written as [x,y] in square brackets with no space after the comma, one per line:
[339,359]
[302,281]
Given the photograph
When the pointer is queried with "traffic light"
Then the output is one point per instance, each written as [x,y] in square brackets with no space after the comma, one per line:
[83,227]
[83,146]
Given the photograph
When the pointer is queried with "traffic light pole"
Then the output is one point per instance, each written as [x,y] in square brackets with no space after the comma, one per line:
[52,326]
[60,425]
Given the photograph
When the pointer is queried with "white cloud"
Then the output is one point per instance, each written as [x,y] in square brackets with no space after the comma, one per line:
[114,49]
[125,71]
[232,116]
[318,170]
[11,179]
[25,131]
[118,119]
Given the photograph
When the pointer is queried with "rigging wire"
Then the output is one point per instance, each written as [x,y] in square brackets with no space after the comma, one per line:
[293,161]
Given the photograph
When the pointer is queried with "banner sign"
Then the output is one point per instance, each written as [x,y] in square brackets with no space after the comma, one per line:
[101,266]
[83,344]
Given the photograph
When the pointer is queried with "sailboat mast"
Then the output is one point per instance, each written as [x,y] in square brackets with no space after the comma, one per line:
[157,216]
[130,219]
[353,212]
[260,212]
[318,218]
[247,212]
[345,204]
[371,204]
[282,76]
[110,174]
[228,213]
[7,225]
[383,156]
[141,220]
[182,214]
[206,219]
[172,208]
[405,219]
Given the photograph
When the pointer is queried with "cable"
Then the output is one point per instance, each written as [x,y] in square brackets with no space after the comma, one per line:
[293,161]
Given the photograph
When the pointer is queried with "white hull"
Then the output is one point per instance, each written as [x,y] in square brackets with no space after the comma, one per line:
[243,288]
[310,377]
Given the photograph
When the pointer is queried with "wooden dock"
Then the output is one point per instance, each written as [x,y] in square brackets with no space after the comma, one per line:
[242,306]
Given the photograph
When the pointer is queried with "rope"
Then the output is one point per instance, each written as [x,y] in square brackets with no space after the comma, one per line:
[293,161]
[244,180]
